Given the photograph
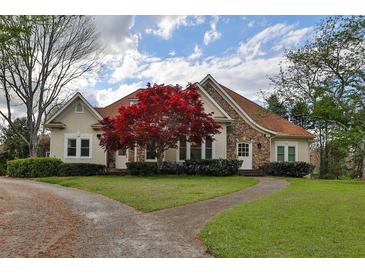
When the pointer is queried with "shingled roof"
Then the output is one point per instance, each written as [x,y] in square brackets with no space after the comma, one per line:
[112,109]
[266,118]
[258,114]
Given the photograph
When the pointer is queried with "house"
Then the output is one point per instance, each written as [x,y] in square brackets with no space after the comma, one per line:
[249,132]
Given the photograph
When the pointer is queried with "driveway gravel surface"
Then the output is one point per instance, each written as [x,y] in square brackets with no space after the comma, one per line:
[45,220]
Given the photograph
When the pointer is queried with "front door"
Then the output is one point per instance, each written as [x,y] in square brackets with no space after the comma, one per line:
[121,158]
[244,153]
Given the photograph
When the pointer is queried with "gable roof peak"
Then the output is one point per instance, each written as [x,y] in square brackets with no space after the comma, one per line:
[69,102]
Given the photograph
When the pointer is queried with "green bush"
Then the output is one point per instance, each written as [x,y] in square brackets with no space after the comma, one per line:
[33,167]
[291,169]
[81,169]
[2,168]
[142,168]
[215,167]
[171,168]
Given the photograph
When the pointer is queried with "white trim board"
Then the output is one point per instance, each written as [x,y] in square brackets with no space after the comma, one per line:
[233,103]
[78,137]
[213,101]
[286,144]
[69,102]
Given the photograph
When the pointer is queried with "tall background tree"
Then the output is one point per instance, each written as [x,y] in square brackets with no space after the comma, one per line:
[13,145]
[39,63]
[275,105]
[163,116]
[327,75]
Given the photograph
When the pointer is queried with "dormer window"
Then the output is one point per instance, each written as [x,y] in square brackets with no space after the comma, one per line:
[79,108]
[133,102]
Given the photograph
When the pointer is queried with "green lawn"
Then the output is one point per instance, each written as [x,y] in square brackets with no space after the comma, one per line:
[153,193]
[311,218]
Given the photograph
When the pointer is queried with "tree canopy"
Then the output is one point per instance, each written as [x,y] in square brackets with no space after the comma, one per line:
[324,79]
[163,115]
[41,56]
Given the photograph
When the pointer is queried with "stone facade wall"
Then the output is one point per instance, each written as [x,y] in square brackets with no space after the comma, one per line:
[239,131]
[140,154]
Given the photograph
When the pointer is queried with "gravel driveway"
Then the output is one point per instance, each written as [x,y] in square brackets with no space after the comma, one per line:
[44,220]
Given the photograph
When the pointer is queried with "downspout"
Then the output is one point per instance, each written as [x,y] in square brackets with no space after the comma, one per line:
[270,138]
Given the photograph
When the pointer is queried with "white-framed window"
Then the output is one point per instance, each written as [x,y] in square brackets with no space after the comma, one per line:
[78,146]
[243,149]
[291,153]
[133,102]
[79,108]
[208,149]
[122,152]
[286,151]
[195,151]
[280,153]
[150,152]
[84,147]
[182,150]
[71,147]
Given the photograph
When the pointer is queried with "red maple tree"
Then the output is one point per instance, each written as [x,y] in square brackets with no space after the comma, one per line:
[163,115]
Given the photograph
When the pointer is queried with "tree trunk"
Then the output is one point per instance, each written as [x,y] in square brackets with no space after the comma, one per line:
[159,160]
[33,143]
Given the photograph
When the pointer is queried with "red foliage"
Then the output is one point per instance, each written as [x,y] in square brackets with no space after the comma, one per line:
[163,116]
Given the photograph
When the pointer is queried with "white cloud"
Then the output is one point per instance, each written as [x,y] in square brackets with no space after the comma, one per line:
[166,25]
[104,97]
[293,38]
[172,53]
[212,34]
[114,33]
[245,70]
[197,53]
[280,35]
[246,77]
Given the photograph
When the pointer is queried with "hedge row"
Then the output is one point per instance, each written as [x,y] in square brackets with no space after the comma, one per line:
[2,168]
[33,167]
[45,167]
[216,167]
[81,169]
[291,169]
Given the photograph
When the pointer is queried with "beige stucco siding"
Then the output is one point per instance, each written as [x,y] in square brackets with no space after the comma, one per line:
[302,146]
[209,107]
[220,143]
[78,124]
[170,155]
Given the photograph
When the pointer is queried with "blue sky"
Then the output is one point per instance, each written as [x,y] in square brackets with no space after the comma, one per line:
[239,51]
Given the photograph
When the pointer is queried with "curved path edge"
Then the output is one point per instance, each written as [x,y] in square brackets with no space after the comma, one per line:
[44,220]
[191,218]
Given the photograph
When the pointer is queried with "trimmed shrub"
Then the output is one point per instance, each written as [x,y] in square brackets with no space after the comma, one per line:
[142,168]
[33,167]
[2,168]
[81,169]
[171,168]
[291,169]
[215,167]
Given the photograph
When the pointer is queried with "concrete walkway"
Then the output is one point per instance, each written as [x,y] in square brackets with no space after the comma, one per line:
[190,219]
[44,220]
